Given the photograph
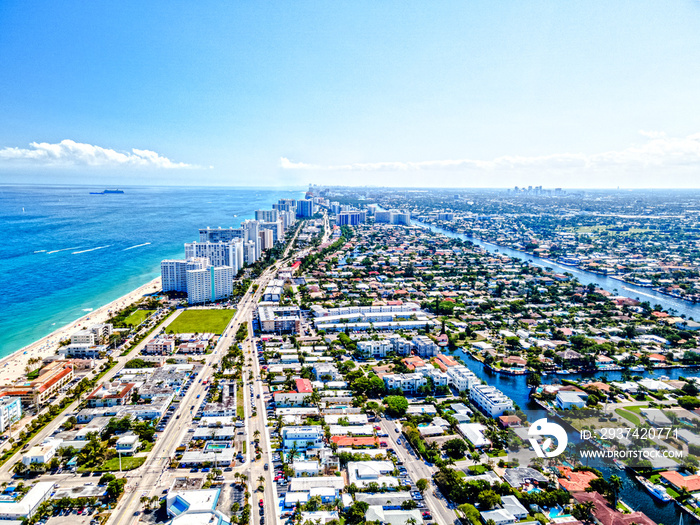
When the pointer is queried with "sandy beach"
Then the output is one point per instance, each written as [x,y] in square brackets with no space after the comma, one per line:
[13,366]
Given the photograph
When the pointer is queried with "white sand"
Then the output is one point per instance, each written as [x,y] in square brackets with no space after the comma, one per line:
[13,366]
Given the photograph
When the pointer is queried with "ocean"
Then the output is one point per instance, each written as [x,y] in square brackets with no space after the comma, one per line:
[66,252]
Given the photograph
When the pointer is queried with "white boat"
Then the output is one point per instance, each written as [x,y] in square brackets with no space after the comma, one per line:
[658,491]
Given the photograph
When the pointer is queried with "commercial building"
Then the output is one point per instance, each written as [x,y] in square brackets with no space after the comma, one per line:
[490,400]
[273,291]
[18,511]
[42,453]
[210,284]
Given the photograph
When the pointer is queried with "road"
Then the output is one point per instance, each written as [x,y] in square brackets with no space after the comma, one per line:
[418,469]
[5,474]
[151,478]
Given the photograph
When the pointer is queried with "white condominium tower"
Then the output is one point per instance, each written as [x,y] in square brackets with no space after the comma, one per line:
[218,253]
[174,272]
[209,284]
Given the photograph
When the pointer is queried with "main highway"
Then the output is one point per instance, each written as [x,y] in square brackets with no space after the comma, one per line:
[154,475]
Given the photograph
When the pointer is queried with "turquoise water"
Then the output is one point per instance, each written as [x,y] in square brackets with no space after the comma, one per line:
[215,446]
[66,251]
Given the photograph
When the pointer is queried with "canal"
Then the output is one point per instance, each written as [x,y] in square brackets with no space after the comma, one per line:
[515,387]
[679,306]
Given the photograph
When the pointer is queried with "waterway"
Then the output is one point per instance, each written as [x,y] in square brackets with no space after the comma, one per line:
[515,387]
[678,306]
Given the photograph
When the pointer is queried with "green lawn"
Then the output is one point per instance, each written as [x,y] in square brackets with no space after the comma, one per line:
[478,469]
[628,416]
[201,321]
[128,463]
[138,317]
[636,409]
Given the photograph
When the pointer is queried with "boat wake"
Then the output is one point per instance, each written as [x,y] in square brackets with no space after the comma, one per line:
[92,249]
[637,291]
[39,251]
[63,249]
[137,246]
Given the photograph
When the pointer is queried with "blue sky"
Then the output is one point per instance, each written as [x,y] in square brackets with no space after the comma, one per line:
[572,94]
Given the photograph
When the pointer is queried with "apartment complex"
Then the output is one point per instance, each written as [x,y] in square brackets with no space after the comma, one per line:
[173,272]
[10,411]
[490,400]
[279,319]
[209,284]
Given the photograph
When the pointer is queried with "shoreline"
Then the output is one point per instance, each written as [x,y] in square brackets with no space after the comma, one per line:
[12,367]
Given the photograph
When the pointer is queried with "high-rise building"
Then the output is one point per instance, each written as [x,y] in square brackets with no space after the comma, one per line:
[306,208]
[277,229]
[286,205]
[218,253]
[209,284]
[266,241]
[266,215]
[174,272]
[249,251]
[220,234]
[393,217]
[351,218]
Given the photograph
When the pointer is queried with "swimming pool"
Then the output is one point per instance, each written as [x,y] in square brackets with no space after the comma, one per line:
[216,446]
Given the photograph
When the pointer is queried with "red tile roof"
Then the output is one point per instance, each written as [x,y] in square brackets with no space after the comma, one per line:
[349,441]
[575,481]
[690,483]
[607,515]
[304,386]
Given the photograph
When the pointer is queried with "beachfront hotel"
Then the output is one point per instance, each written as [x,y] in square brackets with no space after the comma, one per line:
[39,391]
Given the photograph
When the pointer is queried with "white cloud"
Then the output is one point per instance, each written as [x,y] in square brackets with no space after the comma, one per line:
[71,153]
[659,151]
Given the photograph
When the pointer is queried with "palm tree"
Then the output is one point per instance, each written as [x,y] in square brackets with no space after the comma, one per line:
[615,483]
[261,479]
